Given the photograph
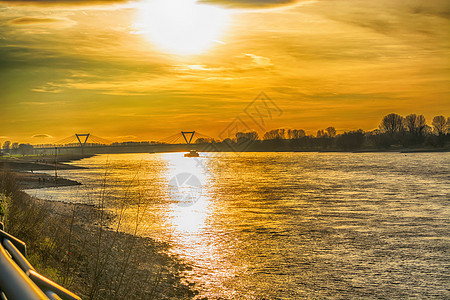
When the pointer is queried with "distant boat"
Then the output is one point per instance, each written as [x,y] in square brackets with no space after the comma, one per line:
[192,153]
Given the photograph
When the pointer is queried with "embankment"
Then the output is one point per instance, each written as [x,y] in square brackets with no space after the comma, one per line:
[83,248]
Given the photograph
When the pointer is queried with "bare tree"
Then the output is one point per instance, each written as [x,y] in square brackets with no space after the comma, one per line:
[415,124]
[290,134]
[300,133]
[253,135]
[440,124]
[421,125]
[296,134]
[331,131]
[410,123]
[247,136]
[6,145]
[392,123]
[275,134]
[321,133]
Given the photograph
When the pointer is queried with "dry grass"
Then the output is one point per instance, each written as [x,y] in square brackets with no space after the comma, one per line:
[75,246]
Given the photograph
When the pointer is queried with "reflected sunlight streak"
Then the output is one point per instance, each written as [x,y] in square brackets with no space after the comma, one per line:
[189,223]
[189,226]
[190,219]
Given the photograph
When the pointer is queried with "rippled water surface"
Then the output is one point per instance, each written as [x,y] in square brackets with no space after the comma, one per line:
[289,225]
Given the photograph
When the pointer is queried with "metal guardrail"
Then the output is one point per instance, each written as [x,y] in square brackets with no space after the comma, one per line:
[19,280]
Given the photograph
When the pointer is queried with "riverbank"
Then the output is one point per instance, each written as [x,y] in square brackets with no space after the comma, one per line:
[102,262]
[84,248]
[42,180]
[26,171]
[39,163]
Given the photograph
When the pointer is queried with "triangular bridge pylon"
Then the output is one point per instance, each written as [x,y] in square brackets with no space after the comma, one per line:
[186,136]
[80,136]
[190,137]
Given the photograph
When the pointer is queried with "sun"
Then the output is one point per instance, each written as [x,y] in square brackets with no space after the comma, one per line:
[182,27]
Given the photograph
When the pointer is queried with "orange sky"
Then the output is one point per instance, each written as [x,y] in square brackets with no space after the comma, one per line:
[145,70]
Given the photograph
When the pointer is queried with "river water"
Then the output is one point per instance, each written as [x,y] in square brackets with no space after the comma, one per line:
[287,225]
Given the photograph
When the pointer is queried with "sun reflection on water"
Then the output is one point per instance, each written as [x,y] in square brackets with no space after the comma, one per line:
[190,226]
[187,222]
[177,164]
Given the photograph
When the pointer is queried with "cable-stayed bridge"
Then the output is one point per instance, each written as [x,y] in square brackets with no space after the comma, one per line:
[78,141]
[189,137]
[83,139]
[87,143]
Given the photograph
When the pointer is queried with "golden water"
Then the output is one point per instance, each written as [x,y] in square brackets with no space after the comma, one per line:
[289,225]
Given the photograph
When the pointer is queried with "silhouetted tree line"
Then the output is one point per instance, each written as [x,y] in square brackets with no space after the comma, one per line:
[395,131]
[16,148]
[412,130]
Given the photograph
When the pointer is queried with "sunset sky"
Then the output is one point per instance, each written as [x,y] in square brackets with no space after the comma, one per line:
[144,70]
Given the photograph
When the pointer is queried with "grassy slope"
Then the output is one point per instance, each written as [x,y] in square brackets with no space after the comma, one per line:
[75,246]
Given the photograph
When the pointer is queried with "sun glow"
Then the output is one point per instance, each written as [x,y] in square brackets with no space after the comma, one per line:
[181,26]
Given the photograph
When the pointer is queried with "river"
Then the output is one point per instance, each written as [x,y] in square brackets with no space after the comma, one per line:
[286,225]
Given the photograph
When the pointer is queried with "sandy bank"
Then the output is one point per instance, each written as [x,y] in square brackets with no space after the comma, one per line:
[20,165]
[85,247]
[105,261]
[25,172]
[42,180]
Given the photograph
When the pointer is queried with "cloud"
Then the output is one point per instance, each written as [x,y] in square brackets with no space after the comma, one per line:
[387,16]
[40,136]
[33,103]
[49,88]
[124,137]
[33,20]
[259,61]
[180,69]
[227,3]
[46,23]
[253,3]
[61,2]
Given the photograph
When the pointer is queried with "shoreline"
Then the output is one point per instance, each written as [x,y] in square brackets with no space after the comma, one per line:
[25,171]
[28,181]
[94,232]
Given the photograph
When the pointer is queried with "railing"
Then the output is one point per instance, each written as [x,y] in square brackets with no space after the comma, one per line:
[19,280]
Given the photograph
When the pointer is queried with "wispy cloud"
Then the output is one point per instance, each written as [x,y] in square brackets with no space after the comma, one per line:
[228,3]
[33,103]
[33,20]
[260,61]
[42,136]
[387,16]
[253,3]
[44,23]
[49,87]
[123,137]
[42,103]
[61,2]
